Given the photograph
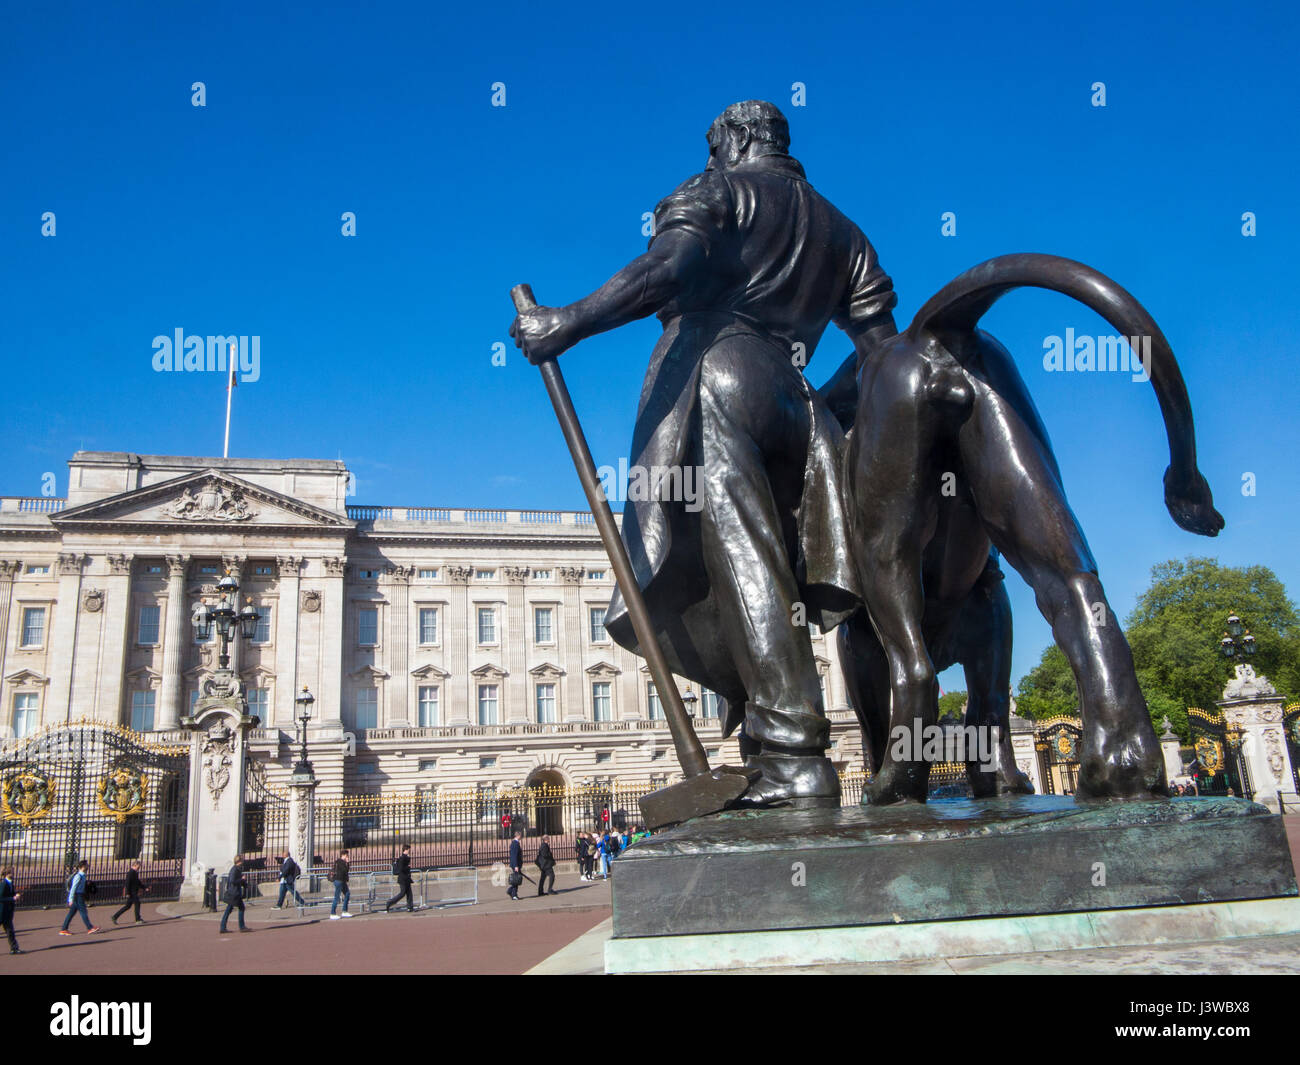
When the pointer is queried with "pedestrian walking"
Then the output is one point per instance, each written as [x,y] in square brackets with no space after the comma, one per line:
[134,885]
[582,847]
[546,863]
[8,897]
[341,890]
[516,864]
[77,898]
[234,894]
[602,851]
[402,870]
[289,871]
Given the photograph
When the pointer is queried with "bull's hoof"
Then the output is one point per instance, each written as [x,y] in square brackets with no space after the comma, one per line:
[898,782]
[1125,770]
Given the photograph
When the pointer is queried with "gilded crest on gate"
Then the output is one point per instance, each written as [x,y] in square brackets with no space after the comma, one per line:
[27,796]
[1210,754]
[122,792]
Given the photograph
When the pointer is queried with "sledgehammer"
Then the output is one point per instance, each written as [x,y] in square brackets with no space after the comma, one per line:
[704,791]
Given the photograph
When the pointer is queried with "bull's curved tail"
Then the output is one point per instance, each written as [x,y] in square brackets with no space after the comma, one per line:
[960,304]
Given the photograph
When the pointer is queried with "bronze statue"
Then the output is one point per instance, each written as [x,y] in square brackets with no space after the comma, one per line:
[747,266]
[944,400]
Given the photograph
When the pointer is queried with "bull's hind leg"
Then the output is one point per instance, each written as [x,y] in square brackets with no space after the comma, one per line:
[1018,491]
[907,401]
[866,676]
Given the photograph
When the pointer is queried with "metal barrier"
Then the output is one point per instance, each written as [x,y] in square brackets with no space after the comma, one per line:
[450,887]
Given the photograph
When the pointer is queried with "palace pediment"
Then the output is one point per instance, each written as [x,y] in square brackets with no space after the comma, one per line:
[209,500]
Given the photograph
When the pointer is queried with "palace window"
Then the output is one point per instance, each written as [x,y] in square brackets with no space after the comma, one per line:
[601,701]
[427,574]
[259,703]
[487,761]
[708,703]
[658,755]
[595,574]
[487,625]
[368,574]
[33,626]
[207,569]
[428,765]
[25,711]
[263,631]
[262,571]
[142,707]
[541,575]
[543,630]
[428,624]
[487,704]
[153,568]
[367,708]
[597,617]
[485,574]
[368,627]
[146,632]
[604,756]
[545,704]
[652,701]
[367,769]
[34,568]
[428,706]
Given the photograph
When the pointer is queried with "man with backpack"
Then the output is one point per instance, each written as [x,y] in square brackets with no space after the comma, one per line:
[289,870]
[402,871]
[77,892]
[546,863]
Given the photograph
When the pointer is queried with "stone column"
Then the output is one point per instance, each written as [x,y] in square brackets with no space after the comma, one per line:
[302,822]
[1251,703]
[398,642]
[515,639]
[1026,754]
[1169,744]
[173,690]
[456,633]
[331,666]
[218,760]
[61,640]
[573,638]
[8,570]
[286,642]
[117,624]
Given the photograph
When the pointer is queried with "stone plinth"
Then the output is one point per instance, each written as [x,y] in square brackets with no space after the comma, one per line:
[752,871]
[218,758]
[1252,704]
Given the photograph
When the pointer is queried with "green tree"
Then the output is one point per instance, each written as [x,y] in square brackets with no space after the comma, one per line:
[950,708]
[1048,690]
[1175,629]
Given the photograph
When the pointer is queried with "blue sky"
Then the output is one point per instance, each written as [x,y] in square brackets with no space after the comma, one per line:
[378,348]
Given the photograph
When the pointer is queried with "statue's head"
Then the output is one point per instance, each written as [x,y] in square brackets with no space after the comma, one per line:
[745,131]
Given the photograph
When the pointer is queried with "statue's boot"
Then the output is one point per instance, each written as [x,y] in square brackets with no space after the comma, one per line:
[801,778]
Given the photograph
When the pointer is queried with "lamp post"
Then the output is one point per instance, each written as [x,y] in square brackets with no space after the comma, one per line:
[226,619]
[690,699]
[1237,643]
[303,701]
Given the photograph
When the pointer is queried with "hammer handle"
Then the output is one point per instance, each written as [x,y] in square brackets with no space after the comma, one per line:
[690,753]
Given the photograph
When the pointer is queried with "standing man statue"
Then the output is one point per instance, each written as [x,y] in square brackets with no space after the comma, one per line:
[747,266]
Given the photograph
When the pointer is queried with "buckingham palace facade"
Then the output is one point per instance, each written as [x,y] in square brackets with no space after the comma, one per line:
[446,648]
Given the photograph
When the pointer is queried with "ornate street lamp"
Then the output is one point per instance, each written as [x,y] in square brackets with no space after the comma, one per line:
[303,700]
[225,619]
[689,699]
[1237,642]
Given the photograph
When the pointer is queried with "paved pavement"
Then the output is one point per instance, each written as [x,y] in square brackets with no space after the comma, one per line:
[496,936]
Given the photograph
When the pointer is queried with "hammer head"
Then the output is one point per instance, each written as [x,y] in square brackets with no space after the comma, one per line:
[708,793]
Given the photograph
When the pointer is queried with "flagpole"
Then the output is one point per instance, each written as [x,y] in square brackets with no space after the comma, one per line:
[230,377]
